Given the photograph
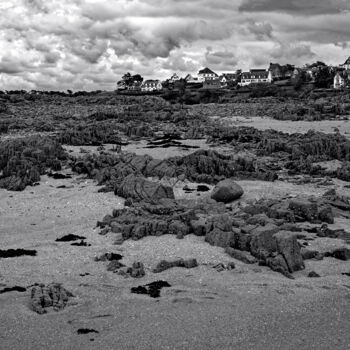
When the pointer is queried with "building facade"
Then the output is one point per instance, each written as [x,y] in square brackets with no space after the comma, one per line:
[151,85]
[207,74]
[255,76]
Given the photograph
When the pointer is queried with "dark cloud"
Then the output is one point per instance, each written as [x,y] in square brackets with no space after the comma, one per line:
[221,60]
[52,57]
[261,30]
[296,7]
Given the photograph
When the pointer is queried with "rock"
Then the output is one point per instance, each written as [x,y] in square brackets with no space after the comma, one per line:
[243,256]
[278,264]
[221,222]
[109,257]
[326,214]
[262,242]
[52,295]
[242,238]
[190,263]
[258,219]
[107,219]
[81,244]
[308,254]
[179,229]
[152,289]
[118,240]
[304,210]
[141,189]
[137,270]
[220,238]
[25,159]
[114,266]
[200,227]
[313,274]
[222,267]
[342,253]
[104,231]
[288,247]
[227,191]
[165,265]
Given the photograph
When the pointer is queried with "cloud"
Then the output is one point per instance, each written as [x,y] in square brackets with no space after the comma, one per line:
[261,30]
[299,7]
[221,60]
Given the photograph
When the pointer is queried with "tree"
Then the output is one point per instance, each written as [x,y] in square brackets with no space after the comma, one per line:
[300,79]
[323,77]
[317,64]
[130,80]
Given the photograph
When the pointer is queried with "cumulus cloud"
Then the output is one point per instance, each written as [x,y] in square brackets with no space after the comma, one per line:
[89,44]
[299,7]
[221,60]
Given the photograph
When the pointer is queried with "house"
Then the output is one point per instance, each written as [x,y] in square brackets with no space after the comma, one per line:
[276,71]
[296,73]
[341,79]
[212,84]
[191,79]
[346,65]
[227,77]
[151,85]
[207,74]
[255,76]
[174,78]
[281,72]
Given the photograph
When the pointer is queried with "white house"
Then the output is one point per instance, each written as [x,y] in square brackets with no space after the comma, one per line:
[207,74]
[346,65]
[192,79]
[256,76]
[151,85]
[341,79]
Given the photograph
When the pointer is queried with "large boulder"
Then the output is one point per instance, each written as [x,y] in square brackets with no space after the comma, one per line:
[141,189]
[220,238]
[263,243]
[288,247]
[227,191]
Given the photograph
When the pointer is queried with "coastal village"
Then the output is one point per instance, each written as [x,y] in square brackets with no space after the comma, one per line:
[336,77]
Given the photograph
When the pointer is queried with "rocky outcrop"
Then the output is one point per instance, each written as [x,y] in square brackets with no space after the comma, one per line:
[48,296]
[263,231]
[140,189]
[227,191]
[23,160]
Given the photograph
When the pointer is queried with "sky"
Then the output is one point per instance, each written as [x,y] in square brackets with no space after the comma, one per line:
[90,44]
